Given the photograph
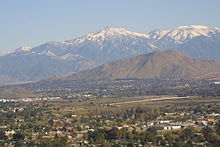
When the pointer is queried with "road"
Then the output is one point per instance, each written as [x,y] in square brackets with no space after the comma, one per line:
[149,100]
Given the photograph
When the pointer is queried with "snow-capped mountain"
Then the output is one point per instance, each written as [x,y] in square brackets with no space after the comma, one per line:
[24,48]
[6,52]
[107,33]
[105,45]
[182,34]
[111,44]
[196,40]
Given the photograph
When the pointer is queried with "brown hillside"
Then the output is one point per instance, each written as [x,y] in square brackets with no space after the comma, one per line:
[159,64]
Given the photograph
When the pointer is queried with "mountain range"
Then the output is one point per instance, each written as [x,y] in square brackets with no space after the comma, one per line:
[106,45]
[168,65]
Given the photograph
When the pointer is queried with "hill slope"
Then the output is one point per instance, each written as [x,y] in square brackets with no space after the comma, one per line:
[34,66]
[156,65]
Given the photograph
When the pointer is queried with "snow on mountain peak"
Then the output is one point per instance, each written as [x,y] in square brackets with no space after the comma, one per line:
[107,32]
[25,48]
[70,56]
[6,52]
[47,52]
[216,29]
[192,27]
[21,49]
[183,33]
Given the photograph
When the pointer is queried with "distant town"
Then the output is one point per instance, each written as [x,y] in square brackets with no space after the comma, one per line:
[88,121]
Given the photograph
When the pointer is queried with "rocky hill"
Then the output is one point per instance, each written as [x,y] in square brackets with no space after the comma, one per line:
[156,65]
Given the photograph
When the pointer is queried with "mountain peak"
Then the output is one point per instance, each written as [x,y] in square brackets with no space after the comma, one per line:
[108,32]
[192,27]
[156,65]
[25,48]
[4,53]
[184,33]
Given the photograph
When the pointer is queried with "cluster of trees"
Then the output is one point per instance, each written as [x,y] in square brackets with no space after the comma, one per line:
[187,137]
[137,87]
[58,141]
[17,137]
[136,114]
[101,136]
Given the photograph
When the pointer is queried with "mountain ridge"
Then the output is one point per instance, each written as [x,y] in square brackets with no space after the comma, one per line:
[155,65]
[152,40]
[104,46]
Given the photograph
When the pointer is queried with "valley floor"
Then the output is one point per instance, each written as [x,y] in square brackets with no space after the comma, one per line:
[116,121]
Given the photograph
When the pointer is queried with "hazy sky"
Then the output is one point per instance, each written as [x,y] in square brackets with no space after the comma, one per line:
[33,22]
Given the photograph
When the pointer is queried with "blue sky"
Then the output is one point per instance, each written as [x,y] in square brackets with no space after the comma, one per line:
[33,22]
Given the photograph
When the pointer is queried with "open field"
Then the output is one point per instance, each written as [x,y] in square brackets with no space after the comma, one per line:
[121,104]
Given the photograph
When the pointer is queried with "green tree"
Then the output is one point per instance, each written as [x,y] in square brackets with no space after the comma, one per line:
[114,133]
[152,130]
[63,141]
[207,133]
[187,134]
[51,122]
[18,136]
[218,127]
[3,136]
